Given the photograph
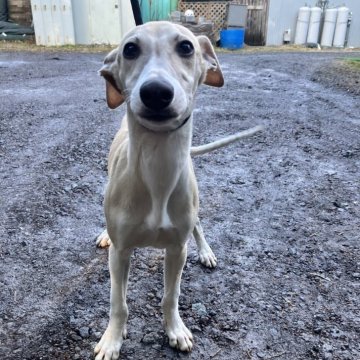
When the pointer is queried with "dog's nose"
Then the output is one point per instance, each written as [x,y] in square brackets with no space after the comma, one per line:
[156,94]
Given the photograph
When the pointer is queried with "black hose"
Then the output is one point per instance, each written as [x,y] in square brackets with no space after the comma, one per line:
[137,12]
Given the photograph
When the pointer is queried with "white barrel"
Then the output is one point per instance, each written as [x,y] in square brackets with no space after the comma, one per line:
[314,25]
[329,27]
[302,25]
[341,26]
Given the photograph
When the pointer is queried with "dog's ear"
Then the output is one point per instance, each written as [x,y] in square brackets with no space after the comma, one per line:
[213,76]
[114,97]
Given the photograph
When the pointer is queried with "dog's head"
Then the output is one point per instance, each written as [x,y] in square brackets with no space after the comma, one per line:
[156,70]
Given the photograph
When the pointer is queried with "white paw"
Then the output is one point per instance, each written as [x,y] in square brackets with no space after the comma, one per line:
[109,346]
[207,258]
[103,240]
[179,335]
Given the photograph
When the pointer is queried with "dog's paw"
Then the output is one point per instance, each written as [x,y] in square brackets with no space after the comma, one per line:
[207,257]
[109,346]
[103,240]
[179,335]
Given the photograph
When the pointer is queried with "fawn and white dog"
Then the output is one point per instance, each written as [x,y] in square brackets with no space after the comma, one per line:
[152,196]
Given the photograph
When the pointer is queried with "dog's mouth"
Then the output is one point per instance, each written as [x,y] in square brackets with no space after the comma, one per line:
[162,122]
[158,116]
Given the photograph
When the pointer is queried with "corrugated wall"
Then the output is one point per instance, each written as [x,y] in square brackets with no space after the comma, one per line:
[153,10]
[99,22]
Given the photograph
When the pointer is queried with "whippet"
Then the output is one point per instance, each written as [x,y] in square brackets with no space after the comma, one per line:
[152,196]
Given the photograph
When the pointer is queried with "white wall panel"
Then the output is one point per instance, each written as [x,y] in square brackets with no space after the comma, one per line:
[283,15]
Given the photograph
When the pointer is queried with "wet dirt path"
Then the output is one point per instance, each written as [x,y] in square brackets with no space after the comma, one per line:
[281,211]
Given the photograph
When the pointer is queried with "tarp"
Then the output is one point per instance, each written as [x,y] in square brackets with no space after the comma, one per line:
[4,10]
[12,31]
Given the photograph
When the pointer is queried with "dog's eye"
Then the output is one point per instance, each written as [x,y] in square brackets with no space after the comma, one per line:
[131,51]
[185,48]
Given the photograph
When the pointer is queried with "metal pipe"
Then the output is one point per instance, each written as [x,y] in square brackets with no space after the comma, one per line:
[137,12]
[348,29]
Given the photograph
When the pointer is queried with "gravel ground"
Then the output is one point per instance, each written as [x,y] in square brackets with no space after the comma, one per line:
[281,211]
[341,74]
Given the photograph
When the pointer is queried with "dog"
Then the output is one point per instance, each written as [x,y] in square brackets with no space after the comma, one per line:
[152,195]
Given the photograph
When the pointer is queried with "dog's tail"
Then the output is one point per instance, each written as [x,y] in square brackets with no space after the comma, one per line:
[203,149]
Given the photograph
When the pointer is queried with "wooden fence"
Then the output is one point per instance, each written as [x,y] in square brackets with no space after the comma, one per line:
[215,11]
[20,11]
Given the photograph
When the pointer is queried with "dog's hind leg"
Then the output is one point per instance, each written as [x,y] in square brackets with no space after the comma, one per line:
[103,240]
[206,255]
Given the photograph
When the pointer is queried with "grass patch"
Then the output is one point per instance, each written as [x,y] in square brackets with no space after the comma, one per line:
[353,62]
[30,46]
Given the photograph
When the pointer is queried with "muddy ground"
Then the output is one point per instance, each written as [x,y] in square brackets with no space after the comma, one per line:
[281,211]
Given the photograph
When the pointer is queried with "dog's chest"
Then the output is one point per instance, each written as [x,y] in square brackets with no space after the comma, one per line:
[142,220]
[152,209]
[152,194]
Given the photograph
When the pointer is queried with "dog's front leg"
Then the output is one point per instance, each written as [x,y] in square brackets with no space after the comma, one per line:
[109,346]
[179,335]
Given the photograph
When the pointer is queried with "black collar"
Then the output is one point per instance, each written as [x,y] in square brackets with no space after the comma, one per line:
[182,124]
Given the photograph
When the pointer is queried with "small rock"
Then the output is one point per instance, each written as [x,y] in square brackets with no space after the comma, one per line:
[76,337]
[332,172]
[199,309]
[275,225]
[315,349]
[215,333]
[150,338]
[231,338]
[195,328]
[327,348]
[337,334]
[97,334]
[84,332]
[212,313]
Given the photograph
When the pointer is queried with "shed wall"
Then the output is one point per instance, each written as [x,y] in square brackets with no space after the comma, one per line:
[283,16]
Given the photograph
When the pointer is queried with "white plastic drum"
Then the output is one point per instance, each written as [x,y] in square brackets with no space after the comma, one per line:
[329,27]
[314,25]
[341,26]
[302,25]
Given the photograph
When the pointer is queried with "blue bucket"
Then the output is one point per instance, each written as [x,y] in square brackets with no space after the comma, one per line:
[232,38]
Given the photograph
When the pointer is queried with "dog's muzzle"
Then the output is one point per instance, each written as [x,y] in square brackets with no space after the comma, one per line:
[157,95]
[158,113]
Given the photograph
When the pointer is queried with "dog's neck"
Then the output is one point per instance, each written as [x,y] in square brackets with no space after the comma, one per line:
[160,159]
